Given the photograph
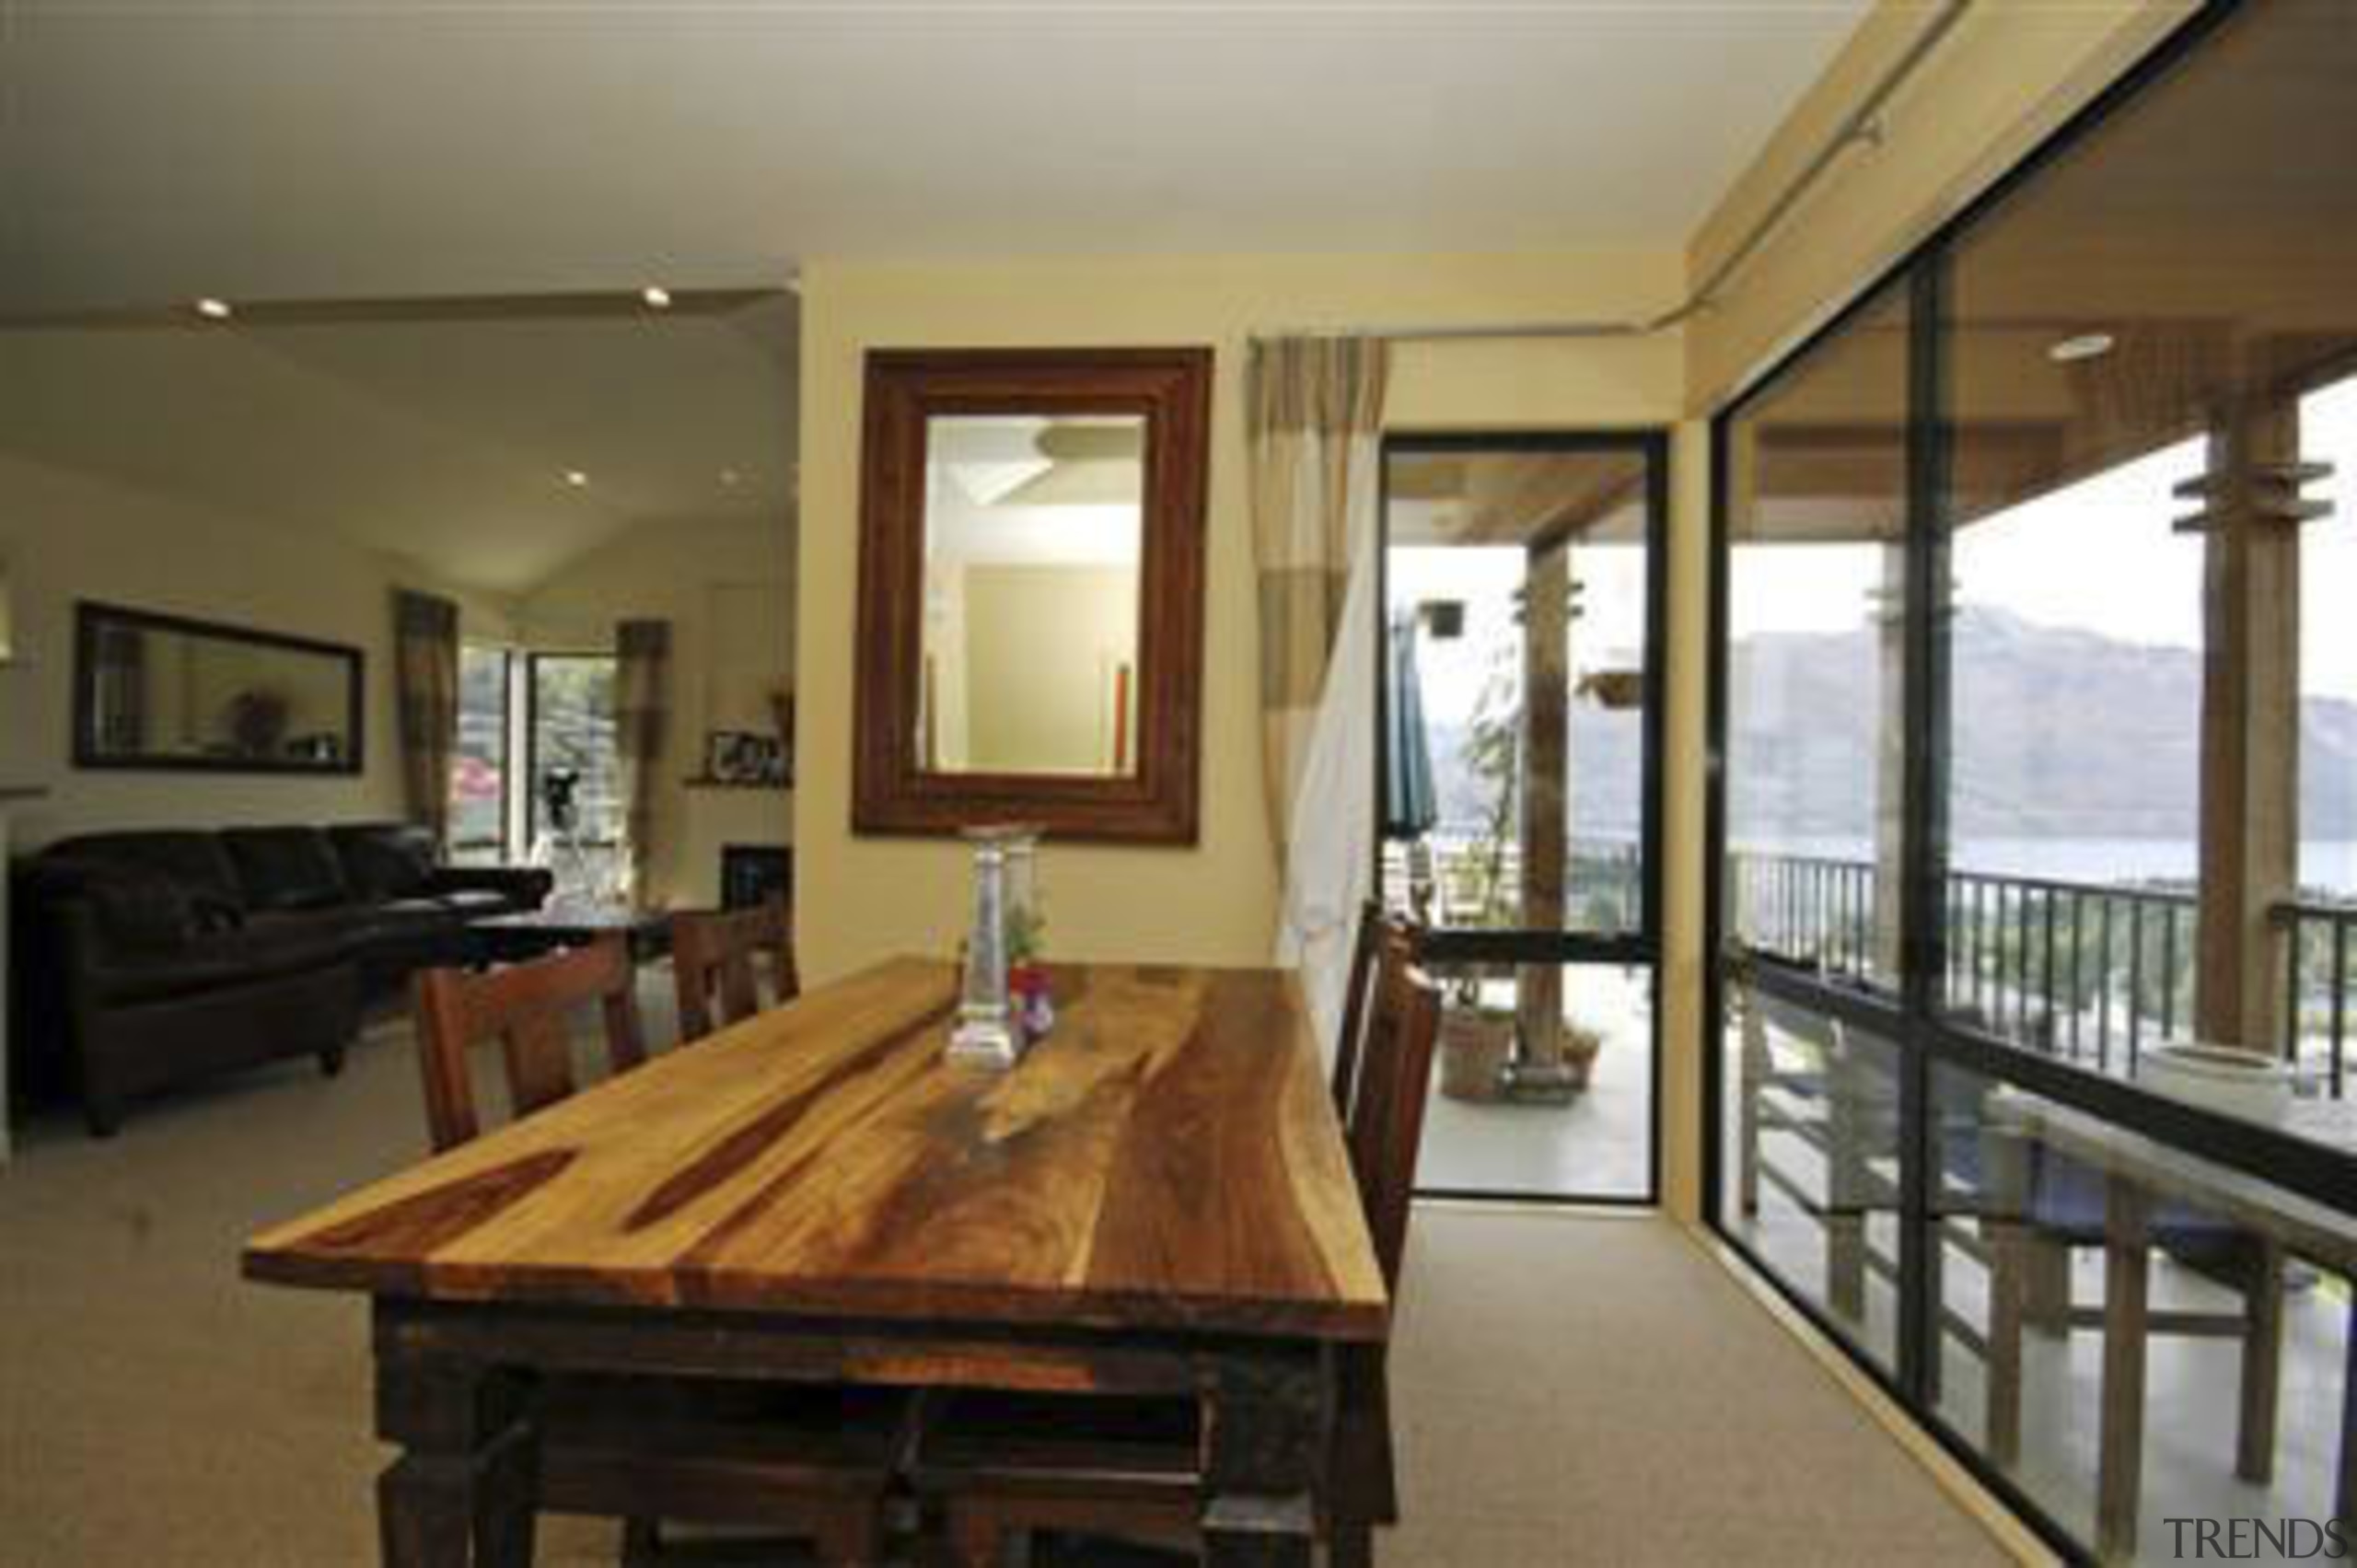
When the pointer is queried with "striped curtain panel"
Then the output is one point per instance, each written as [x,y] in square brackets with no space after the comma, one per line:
[426,677]
[642,726]
[1314,411]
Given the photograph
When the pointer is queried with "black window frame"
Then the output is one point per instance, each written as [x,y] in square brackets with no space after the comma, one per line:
[1911,1016]
[1643,945]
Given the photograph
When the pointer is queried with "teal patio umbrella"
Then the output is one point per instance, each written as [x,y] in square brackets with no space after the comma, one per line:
[1410,807]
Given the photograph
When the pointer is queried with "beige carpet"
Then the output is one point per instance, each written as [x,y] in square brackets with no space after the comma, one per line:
[1570,1390]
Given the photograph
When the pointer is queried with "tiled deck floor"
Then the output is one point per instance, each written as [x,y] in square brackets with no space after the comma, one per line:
[1597,1146]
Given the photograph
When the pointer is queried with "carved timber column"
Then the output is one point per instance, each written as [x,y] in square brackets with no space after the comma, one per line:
[2250,720]
[1546,791]
[1889,613]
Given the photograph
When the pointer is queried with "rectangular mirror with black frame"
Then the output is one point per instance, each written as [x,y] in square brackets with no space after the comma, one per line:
[1031,570]
[162,691]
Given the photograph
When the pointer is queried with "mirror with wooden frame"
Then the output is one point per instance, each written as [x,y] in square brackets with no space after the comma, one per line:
[1030,591]
[164,691]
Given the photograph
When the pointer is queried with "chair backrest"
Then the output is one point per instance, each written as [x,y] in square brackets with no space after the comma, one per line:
[1395,1082]
[527,1008]
[712,963]
[1349,1047]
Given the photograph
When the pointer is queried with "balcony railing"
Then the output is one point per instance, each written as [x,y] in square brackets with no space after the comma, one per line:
[2088,971]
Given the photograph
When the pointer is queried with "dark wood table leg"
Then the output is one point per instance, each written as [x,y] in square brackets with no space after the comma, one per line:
[2127,1290]
[1267,1415]
[462,1494]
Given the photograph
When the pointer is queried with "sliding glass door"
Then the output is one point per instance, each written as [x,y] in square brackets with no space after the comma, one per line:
[1518,738]
[2036,717]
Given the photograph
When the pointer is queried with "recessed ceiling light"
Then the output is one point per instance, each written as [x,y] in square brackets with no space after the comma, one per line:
[2079,346]
[576,478]
[658,297]
[213,309]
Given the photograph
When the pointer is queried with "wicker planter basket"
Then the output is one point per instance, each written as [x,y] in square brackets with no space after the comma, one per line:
[1474,1046]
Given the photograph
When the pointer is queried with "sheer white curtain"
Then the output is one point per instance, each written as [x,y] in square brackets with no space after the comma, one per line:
[1315,424]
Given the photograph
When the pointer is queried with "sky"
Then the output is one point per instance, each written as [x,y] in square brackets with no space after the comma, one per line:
[1608,635]
[2099,556]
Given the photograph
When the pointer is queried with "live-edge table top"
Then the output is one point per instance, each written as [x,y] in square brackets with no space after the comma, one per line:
[1167,1158]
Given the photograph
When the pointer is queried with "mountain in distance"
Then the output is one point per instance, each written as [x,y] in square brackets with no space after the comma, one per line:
[2056,734]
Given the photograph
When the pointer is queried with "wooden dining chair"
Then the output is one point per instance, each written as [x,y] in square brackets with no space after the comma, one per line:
[1001,1464]
[1365,944]
[527,1010]
[714,963]
[816,1463]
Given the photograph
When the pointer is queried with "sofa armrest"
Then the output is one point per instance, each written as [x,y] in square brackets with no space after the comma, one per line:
[527,886]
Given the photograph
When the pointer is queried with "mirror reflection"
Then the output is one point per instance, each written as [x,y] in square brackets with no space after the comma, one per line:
[155,691]
[1034,531]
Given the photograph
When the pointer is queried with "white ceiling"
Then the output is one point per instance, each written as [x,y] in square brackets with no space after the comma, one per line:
[388,148]
[445,440]
[336,150]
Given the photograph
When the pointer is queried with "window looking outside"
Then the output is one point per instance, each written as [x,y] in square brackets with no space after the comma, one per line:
[479,773]
[573,732]
[1816,522]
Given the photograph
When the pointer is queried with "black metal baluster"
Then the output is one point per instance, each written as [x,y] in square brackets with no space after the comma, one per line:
[2135,977]
[2292,989]
[2340,1000]
[2168,971]
[2103,983]
[2078,954]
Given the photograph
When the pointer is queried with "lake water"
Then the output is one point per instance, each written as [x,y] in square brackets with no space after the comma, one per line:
[2325,865]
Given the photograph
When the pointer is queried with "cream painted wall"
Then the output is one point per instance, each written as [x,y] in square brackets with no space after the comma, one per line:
[864,898]
[728,590]
[2009,75]
[67,536]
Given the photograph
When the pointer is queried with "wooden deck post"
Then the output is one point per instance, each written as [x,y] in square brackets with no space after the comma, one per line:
[1889,616]
[2250,765]
[1546,792]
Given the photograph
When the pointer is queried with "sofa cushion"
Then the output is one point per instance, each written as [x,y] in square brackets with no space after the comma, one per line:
[232,958]
[286,868]
[198,863]
[136,909]
[385,860]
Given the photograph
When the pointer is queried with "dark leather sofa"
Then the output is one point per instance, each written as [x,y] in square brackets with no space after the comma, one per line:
[148,959]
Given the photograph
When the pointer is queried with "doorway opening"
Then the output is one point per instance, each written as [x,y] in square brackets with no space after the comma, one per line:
[1518,762]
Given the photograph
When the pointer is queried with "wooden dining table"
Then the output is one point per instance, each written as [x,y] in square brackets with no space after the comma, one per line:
[1157,1201]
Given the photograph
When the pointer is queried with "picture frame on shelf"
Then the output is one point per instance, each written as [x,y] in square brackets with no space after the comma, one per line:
[745,757]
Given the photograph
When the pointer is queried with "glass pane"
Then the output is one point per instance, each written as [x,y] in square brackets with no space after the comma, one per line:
[479,766]
[1598,1143]
[576,787]
[2135,1336]
[2322,996]
[1817,515]
[1516,688]
[2328,649]
[1811,1160]
[2148,728]
[1034,534]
